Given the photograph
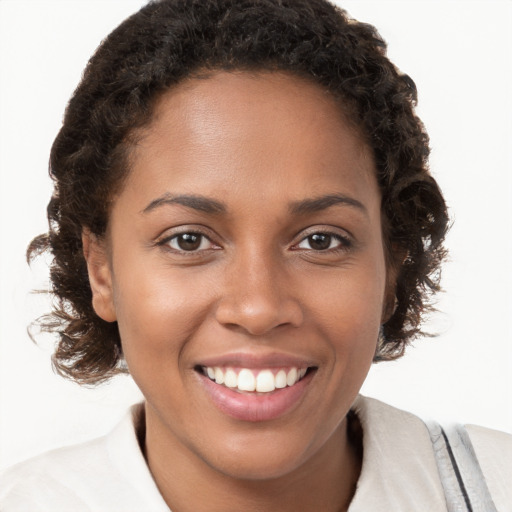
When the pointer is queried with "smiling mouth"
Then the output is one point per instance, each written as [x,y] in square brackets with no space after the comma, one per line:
[246,380]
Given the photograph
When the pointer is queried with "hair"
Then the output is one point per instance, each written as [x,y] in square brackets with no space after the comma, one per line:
[168,41]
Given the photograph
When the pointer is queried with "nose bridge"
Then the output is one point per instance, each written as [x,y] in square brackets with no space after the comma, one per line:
[258,296]
[259,281]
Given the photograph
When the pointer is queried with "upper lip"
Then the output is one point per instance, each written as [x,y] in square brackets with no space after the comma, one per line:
[246,360]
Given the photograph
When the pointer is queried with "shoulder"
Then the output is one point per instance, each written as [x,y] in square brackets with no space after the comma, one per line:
[396,444]
[55,479]
[490,445]
[399,444]
[493,450]
[105,474]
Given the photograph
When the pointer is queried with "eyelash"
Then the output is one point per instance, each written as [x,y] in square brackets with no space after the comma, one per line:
[166,242]
[344,243]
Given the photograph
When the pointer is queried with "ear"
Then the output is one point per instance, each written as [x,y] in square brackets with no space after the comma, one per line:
[100,275]
[394,264]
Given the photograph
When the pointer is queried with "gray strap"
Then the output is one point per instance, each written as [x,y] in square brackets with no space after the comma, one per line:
[462,478]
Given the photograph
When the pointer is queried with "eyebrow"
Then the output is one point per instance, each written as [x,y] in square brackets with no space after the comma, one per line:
[318,204]
[196,202]
[211,206]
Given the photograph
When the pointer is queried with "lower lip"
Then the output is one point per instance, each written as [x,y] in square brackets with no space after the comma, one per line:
[255,406]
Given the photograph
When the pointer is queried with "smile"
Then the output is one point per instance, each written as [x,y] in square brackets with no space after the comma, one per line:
[256,391]
[251,380]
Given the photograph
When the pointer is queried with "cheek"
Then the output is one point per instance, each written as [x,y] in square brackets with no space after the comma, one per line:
[157,312]
[352,330]
[350,301]
[347,311]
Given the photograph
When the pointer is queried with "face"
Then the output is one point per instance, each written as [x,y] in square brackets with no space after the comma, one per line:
[244,264]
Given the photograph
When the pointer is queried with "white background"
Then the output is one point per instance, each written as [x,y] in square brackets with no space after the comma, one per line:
[460,55]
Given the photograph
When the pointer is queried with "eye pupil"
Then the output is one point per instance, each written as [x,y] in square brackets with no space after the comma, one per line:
[319,241]
[189,241]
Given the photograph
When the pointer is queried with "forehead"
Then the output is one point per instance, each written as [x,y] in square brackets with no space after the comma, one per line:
[263,132]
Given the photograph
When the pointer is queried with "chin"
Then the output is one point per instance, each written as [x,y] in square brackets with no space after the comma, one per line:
[258,467]
[267,455]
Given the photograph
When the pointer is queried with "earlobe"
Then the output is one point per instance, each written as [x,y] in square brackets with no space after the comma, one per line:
[390,305]
[390,299]
[100,275]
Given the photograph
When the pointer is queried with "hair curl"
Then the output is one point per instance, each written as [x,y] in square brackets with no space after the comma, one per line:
[169,40]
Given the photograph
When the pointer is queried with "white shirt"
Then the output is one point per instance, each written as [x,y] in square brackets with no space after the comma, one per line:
[110,474]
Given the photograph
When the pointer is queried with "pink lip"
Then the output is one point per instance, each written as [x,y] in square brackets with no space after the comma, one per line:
[243,360]
[255,406]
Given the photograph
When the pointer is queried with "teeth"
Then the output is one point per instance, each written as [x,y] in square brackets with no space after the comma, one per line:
[219,376]
[281,379]
[263,381]
[246,380]
[230,379]
[291,378]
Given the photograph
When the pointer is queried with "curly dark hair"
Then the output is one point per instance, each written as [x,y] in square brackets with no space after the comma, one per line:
[169,40]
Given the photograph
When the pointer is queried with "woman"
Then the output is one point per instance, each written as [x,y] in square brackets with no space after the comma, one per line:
[243,218]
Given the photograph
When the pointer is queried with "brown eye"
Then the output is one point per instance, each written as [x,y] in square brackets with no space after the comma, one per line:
[189,242]
[319,241]
[324,241]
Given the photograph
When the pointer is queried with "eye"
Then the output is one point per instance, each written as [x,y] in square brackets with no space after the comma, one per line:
[324,242]
[189,242]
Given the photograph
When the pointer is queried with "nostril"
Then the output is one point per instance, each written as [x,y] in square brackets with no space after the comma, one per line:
[258,316]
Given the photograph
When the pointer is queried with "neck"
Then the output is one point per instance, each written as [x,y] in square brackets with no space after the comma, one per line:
[326,481]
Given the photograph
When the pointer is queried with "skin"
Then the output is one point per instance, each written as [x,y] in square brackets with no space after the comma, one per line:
[258,144]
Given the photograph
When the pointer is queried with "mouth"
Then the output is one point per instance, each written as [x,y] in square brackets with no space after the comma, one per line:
[250,380]
[255,394]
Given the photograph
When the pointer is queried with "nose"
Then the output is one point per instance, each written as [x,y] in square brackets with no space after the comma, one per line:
[258,297]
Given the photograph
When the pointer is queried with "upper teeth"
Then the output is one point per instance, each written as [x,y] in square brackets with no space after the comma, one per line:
[262,381]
